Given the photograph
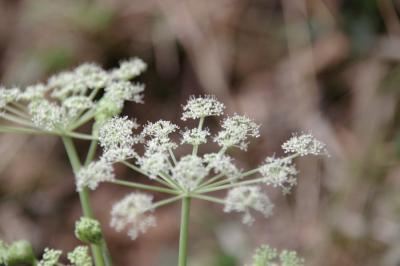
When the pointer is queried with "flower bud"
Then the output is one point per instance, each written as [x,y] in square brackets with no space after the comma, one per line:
[88,230]
[106,109]
[20,253]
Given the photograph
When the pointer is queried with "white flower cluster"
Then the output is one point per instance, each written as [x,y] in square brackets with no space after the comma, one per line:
[156,136]
[129,69]
[279,172]
[67,96]
[304,144]
[236,130]
[116,139]
[8,95]
[131,213]
[50,257]
[200,107]
[80,256]
[195,173]
[222,164]
[189,171]
[93,174]
[47,115]
[245,198]
[195,136]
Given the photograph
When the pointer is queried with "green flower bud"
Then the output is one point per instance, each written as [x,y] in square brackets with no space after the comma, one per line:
[20,253]
[88,230]
[106,109]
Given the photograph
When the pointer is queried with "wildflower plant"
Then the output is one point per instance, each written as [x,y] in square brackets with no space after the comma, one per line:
[91,95]
[61,106]
[194,175]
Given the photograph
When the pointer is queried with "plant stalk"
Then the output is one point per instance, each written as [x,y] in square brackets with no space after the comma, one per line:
[183,239]
[83,196]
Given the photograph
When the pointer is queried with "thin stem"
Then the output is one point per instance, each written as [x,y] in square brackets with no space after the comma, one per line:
[76,135]
[16,112]
[91,152]
[83,195]
[225,181]
[248,182]
[166,201]
[17,120]
[87,116]
[145,187]
[171,153]
[183,239]
[211,180]
[89,158]
[170,181]
[208,198]
[196,147]
[140,171]
[34,131]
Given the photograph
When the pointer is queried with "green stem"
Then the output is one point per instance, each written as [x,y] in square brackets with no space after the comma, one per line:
[145,187]
[137,169]
[183,239]
[89,157]
[83,195]
[211,180]
[166,201]
[16,112]
[171,153]
[238,184]
[196,147]
[208,198]
[34,131]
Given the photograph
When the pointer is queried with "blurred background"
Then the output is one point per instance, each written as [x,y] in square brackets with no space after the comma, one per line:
[328,67]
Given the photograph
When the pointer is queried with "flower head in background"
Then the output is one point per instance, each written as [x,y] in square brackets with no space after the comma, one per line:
[72,98]
[132,214]
[304,144]
[91,175]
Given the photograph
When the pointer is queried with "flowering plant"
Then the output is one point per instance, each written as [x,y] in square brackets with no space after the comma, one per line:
[194,176]
[65,103]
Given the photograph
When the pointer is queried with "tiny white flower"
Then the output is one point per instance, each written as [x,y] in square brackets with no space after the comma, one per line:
[118,154]
[154,163]
[80,256]
[245,198]
[129,69]
[116,133]
[279,172]
[131,213]
[120,91]
[33,92]
[188,171]
[67,84]
[195,136]
[92,75]
[304,144]
[156,136]
[8,95]
[93,174]
[160,128]
[77,104]
[222,164]
[236,130]
[48,116]
[198,107]
[50,257]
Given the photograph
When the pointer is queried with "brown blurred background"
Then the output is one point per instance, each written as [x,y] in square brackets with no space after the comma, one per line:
[329,67]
